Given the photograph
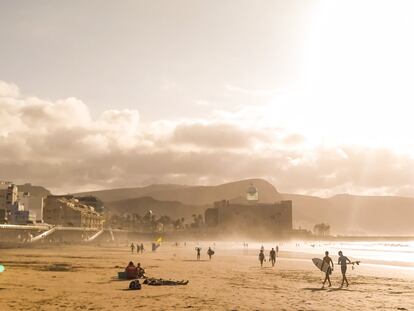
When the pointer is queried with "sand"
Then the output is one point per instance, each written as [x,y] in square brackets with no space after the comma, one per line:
[84,278]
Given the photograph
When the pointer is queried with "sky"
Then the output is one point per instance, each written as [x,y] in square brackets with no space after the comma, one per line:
[314,96]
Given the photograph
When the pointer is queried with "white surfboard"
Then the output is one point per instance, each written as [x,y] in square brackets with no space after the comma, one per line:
[323,266]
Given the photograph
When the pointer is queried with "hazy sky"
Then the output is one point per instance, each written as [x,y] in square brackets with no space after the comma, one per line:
[315,96]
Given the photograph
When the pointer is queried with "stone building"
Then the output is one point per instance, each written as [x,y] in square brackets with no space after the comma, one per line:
[67,211]
[251,216]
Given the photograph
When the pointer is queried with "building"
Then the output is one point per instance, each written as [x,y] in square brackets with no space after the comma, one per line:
[90,200]
[251,216]
[68,211]
[8,194]
[32,204]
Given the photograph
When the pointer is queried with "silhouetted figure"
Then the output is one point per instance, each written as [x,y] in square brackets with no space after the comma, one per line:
[142,248]
[327,261]
[132,247]
[138,248]
[198,250]
[210,252]
[272,257]
[140,271]
[131,271]
[343,260]
[277,250]
[261,257]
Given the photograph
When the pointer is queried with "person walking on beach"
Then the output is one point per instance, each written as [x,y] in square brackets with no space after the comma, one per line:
[142,248]
[277,250]
[210,252]
[138,248]
[327,261]
[272,257]
[261,257]
[198,250]
[343,260]
[132,247]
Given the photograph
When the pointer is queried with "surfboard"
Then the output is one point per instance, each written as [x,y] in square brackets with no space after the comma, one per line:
[320,264]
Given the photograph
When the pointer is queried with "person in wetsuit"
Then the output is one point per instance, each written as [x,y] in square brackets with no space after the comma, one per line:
[343,260]
[327,261]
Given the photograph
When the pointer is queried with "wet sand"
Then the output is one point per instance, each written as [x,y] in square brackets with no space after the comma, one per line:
[84,278]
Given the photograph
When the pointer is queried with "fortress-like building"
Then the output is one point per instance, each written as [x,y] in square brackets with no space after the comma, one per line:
[251,215]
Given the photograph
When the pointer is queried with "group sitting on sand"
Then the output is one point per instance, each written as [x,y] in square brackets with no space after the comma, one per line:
[134,272]
[343,261]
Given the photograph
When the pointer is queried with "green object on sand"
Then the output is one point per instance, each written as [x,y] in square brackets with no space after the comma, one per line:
[1,268]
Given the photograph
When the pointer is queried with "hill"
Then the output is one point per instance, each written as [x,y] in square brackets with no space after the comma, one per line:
[356,215]
[191,195]
[346,214]
[173,209]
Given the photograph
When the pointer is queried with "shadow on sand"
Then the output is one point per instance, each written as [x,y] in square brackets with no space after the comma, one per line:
[315,289]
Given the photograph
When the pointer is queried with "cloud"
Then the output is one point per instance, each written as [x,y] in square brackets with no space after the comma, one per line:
[62,146]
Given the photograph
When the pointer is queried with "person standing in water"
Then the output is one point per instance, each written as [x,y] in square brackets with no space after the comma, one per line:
[142,248]
[261,257]
[343,260]
[137,248]
[277,250]
[272,257]
[327,261]
[132,247]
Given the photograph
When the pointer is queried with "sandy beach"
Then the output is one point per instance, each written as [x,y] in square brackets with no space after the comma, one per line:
[84,278]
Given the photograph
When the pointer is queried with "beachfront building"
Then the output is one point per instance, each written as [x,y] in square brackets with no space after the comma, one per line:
[68,211]
[32,204]
[276,217]
[251,216]
[8,194]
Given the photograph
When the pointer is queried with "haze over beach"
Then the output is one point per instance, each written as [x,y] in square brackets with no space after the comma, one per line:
[224,145]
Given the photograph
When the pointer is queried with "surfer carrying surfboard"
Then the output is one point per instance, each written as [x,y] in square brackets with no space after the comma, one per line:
[327,261]
[343,260]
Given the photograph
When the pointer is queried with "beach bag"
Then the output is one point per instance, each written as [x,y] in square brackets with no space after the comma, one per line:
[134,285]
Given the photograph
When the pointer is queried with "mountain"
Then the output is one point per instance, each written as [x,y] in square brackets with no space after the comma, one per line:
[173,209]
[191,195]
[356,215]
[129,193]
[346,214]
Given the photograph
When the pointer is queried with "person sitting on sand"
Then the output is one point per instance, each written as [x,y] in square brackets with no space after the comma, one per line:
[140,270]
[327,261]
[131,271]
[272,257]
[343,260]
[261,257]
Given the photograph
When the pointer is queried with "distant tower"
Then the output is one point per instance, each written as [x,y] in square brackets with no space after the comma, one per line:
[252,195]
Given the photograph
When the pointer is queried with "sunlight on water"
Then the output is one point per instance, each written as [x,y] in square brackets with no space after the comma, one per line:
[381,252]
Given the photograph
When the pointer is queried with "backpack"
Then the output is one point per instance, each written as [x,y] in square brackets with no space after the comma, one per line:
[134,285]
